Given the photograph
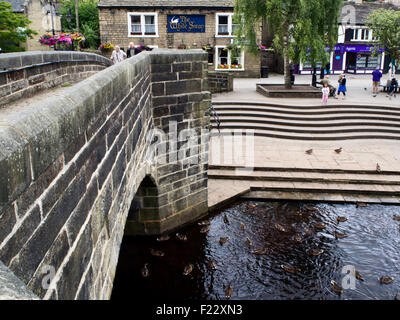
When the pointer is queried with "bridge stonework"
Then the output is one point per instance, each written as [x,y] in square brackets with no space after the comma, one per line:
[74,165]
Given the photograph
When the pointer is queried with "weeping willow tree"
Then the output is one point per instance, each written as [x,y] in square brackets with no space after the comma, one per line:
[302,28]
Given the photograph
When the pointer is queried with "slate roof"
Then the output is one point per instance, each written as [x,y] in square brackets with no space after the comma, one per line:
[17,5]
[167,3]
[365,8]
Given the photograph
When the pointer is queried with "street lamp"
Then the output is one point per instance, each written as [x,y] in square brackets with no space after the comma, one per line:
[51,11]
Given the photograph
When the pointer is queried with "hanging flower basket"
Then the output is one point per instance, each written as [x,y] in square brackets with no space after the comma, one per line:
[208,48]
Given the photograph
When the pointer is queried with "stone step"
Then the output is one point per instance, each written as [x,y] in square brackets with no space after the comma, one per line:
[311,177]
[338,116]
[251,119]
[297,107]
[328,135]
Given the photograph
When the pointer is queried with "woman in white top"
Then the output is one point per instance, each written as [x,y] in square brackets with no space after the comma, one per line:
[117,55]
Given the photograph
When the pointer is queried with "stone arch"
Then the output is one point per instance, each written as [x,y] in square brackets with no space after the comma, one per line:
[144,207]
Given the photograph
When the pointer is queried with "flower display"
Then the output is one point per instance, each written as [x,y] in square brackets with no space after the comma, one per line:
[62,40]
[106,47]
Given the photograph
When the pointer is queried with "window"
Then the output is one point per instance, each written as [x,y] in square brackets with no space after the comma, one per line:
[225,26]
[361,34]
[142,24]
[229,59]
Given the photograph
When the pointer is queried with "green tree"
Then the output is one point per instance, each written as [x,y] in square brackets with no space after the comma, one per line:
[88,20]
[302,28]
[385,25]
[13,29]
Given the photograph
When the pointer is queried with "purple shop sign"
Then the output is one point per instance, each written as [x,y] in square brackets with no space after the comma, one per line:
[355,48]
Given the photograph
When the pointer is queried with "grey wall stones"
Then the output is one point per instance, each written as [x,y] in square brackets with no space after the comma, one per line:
[22,75]
[71,166]
[12,288]
[220,82]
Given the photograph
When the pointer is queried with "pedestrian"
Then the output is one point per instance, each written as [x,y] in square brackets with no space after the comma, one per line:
[376,81]
[332,89]
[131,50]
[342,86]
[325,93]
[117,55]
[392,88]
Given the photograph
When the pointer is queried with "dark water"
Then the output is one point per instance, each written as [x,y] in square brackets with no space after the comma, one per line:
[372,246]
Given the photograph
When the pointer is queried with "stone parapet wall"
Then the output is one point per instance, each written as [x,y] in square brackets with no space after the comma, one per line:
[220,82]
[23,75]
[71,165]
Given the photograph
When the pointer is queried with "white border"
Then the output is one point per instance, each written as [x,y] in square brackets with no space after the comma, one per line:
[230,15]
[229,60]
[142,14]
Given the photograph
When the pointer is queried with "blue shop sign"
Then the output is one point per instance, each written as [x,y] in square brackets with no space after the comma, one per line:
[186,23]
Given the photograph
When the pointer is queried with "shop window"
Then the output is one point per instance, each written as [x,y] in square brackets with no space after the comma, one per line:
[367,61]
[225,25]
[143,24]
[229,59]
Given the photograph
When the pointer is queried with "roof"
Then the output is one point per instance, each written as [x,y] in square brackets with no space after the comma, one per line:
[364,9]
[17,5]
[167,3]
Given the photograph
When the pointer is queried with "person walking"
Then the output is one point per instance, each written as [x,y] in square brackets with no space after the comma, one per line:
[131,50]
[342,86]
[376,81]
[117,55]
[325,93]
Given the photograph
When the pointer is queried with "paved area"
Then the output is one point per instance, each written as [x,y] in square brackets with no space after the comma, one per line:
[359,91]
[289,155]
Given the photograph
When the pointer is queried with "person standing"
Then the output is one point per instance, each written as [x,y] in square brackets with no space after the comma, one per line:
[131,50]
[376,80]
[325,93]
[117,55]
[342,86]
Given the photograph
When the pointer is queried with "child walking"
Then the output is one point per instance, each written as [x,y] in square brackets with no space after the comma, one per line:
[342,86]
[325,93]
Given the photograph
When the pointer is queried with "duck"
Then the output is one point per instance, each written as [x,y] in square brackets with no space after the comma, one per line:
[386,280]
[396,218]
[211,265]
[310,208]
[339,235]
[226,219]
[280,227]
[181,237]
[228,291]
[307,232]
[259,252]
[378,168]
[188,269]
[309,151]
[361,204]
[163,238]
[319,226]
[359,276]
[204,223]
[336,287]
[248,242]
[157,253]
[205,229]
[288,268]
[298,237]
[316,252]
[223,240]
[339,150]
[145,271]
[242,226]
[341,219]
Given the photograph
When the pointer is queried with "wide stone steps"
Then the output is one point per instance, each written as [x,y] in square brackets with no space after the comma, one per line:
[310,123]
[304,184]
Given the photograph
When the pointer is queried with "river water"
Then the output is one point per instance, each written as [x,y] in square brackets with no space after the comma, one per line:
[289,231]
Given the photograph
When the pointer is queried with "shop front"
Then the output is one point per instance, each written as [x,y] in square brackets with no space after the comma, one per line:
[354,58]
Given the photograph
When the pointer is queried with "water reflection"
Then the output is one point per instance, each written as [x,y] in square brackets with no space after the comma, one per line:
[293,234]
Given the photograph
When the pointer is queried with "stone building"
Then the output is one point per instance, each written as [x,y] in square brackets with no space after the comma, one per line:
[179,24]
[43,16]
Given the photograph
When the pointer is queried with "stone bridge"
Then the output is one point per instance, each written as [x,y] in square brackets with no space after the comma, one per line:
[121,152]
